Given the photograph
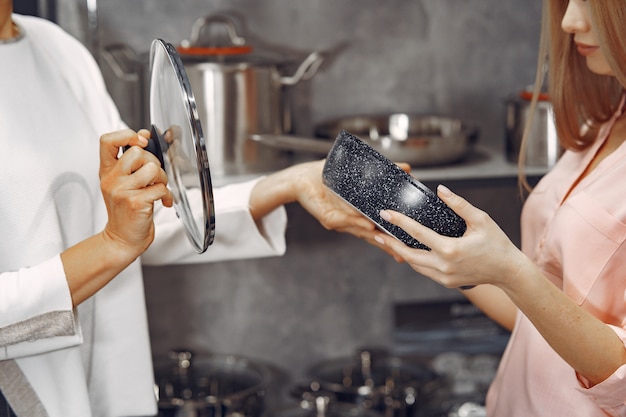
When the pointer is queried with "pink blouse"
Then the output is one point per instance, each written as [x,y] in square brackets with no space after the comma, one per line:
[579,244]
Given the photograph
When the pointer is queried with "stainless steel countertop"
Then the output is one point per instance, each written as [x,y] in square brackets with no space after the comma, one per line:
[482,163]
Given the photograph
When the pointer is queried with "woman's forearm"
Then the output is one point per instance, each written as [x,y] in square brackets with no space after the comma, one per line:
[271,192]
[92,263]
[590,346]
[494,302]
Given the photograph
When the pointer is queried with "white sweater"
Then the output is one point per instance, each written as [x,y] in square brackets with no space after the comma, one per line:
[53,109]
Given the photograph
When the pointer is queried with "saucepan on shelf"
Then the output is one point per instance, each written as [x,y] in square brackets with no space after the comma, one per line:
[420,140]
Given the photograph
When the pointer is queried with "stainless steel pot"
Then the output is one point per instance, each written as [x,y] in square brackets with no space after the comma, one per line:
[210,385]
[239,92]
[542,147]
[376,380]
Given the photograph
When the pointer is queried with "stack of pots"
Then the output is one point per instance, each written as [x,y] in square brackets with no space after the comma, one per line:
[375,380]
[210,385]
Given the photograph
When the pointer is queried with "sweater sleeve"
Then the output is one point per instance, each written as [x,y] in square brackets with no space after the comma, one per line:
[36,311]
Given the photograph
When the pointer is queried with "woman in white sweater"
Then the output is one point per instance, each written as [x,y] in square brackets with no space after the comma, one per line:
[73,329]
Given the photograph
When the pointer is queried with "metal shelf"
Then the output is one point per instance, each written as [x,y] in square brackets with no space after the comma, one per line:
[483,164]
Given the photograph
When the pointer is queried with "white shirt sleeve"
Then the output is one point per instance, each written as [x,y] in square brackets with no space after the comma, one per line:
[36,305]
[237,235]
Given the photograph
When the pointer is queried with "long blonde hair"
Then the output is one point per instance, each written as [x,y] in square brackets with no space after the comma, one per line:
[578,96]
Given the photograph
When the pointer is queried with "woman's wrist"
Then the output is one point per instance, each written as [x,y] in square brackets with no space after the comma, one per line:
[92,263]
[515,268]
[273,191]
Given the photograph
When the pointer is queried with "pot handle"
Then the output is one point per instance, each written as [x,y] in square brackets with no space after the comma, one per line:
[120,68]
[200,24]
[306,69]
[294,143]
[127,67]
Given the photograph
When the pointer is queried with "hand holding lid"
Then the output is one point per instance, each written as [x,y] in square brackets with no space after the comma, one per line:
[177,140]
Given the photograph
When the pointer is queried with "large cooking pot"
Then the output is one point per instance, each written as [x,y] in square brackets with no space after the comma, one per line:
[420,140]
[210,385]
[376,380]
[239,92]
[542,148]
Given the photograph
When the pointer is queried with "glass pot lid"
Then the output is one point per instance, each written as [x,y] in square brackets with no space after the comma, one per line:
[177,140]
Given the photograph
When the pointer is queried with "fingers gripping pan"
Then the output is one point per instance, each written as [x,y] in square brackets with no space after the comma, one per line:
[370,182]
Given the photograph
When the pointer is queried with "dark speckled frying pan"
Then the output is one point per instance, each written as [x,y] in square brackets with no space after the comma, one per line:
[370,182]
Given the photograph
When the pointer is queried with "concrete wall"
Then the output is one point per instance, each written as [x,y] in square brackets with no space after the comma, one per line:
[454,57]
[329,294]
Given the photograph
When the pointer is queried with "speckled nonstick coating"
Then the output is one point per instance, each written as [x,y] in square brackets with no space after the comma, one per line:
[370,182]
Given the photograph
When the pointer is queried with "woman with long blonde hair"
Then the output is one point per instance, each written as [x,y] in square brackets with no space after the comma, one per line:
[563,294]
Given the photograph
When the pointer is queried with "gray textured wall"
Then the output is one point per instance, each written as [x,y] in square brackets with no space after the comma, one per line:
[331,293]
[455,57]
[328,295]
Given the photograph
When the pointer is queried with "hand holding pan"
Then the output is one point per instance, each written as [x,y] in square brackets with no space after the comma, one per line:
[370,182]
